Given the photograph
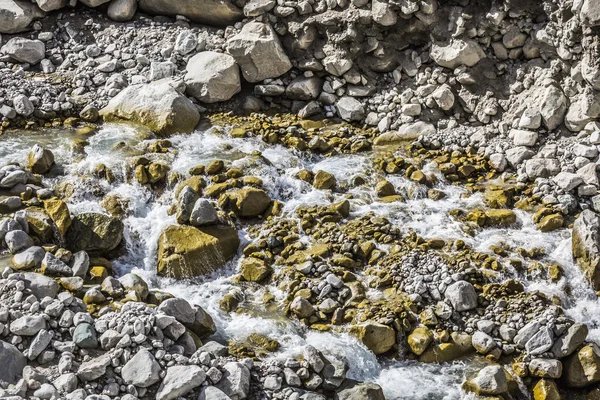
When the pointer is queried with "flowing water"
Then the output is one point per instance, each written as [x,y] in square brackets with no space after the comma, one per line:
[148,216]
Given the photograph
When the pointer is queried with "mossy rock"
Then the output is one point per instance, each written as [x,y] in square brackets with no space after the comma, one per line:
[319,250]
[249,202]
[185,251]
[377,337]
[492,218]
[324,180]
[255,270]
[40,224]
[420,339]
[499,198]
[551,222]
[95,233]
[60,214]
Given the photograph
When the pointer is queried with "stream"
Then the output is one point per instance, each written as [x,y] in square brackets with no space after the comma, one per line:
[148,216]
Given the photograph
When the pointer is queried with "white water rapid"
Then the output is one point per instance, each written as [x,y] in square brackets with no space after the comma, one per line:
[149,216]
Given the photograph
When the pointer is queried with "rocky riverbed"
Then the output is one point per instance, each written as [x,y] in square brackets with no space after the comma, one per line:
[257,199]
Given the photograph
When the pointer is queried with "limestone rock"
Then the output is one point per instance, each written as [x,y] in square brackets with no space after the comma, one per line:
[212,77]
[258,52]
[122,10]
[462,296]
[157,105]
[51,5]
[377,337]
[211,12]
[490,380]
[17,15]
[40,160]
[95,233]
[24,50]
[185,251]
[586,245]
[350,109]
[249,202]
[235,382]
[352,390]
[12,361]
[142,370]
[582,369]
[456,53]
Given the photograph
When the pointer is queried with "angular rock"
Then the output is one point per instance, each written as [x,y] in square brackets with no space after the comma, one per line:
[25,50]
[17,15]
[570,341]
[185,251]
[28,259]
[28,325]
[352,390]
[158,105]
[95,233]
[490,380]
[462,296]
[258,52]
[582,369]
[211,12]
[179,381]
[212,77]
[12,361]
[122,10]
[142,370]
[204,213]
[377,337]
[586,245]
[350,109]
[456,53]
[249,202]
[235,382]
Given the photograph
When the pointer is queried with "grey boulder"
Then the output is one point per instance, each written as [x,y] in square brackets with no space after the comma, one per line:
[25,50]
[142,370]
[212,77]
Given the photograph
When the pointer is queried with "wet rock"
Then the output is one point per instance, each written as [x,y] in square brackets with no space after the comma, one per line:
[203,213]
[301,307]
[24,50]
[142,370]
[249,202]
[258,52]
[586,245]
[462,296]
[185,251]
[40,160]
[211,12]
[352,390]
[157,105]
[212,77]
[186,201]
[420,339]
[255,270]
[60,214]
[95,233]
[490,380]
[324,180]
[377,337]
[582,369]
[12,361]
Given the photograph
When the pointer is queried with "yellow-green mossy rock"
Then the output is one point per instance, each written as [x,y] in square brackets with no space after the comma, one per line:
[249,202]
[551,222]
[255,270]
[546,389]
[95,233]
[420,339]
[493,218]
[377,337]
[185,251]
[324,180]
[40,224]
[59,212]
[582,368]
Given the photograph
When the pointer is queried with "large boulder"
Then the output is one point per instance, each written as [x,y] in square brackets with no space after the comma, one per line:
[12,361]
[51,5]
[94,233]
[142,370]
[583,368]
[40,159]
[185,251]
[16,15]
[352,390]
[158,105]
[212,77]
[462,296]
[586,245]
[249,202]
[179,381]
[236,380]
[122,10]
[377,337]
[25,50]
[456,53]
[590,13]
[490,380]
[211,12]
[258,52]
